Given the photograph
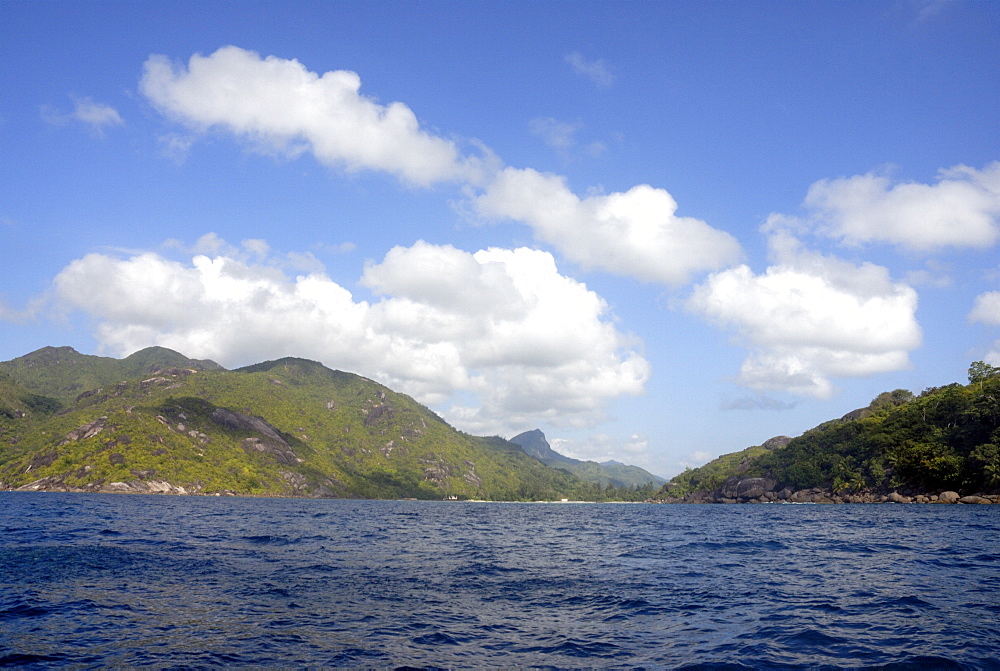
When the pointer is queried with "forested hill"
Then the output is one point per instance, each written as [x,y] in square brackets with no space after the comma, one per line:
[158,421]
[899,447]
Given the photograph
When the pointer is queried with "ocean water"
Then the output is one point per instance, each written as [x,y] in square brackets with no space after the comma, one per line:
[118,580]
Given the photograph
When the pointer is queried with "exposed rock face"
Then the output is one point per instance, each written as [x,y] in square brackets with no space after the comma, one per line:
[281,452]
[86,431]
[378,413]
[240,422]
[42,460]
[54,483]
[535,445]
[746,488]
[472,477]
[436,470]
[175,371]
[87,394]
[296,481]
[854,415]
[949,497]
[776,442]
[268,441]
[161,487]
[814,495]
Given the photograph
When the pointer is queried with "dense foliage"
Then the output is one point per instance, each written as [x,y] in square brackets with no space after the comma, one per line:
[947,438]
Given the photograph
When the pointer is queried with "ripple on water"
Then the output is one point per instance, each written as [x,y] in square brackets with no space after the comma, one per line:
[133,581]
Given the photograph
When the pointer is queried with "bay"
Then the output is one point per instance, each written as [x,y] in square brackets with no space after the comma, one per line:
[90,581]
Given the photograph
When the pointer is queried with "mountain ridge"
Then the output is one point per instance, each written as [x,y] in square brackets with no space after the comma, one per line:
[63,373]
[288,427]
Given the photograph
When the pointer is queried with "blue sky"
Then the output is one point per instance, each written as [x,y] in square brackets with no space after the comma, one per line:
[658,231]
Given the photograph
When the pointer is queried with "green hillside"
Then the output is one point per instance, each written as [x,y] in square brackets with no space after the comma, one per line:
[63,373]
[290,427]
[17,402]
[945,439]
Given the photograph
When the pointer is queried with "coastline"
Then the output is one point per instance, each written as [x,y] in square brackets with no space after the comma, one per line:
[825,496]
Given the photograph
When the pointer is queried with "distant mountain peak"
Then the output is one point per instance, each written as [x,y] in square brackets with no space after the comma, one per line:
[284,362]
[50,349]
[49,354]
[534,444]
[151,359]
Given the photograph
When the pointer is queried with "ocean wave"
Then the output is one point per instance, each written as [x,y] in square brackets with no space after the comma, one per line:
[152,581]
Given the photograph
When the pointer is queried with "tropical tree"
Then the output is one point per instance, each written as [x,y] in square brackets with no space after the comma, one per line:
[980,371]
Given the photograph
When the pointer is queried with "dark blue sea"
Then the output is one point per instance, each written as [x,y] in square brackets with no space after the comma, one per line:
[120,580]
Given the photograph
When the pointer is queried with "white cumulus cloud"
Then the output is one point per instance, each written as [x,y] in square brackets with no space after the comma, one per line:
[809,319]
[986,309]
[601,447]
[495,340]
[993,356]
[962,209]
[278,104]
[635,233]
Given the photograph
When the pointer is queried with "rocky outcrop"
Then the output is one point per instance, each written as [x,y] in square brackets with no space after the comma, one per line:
[776,442]
[42,460]
[240,422]
[377,413]
[56,483]
[280,452]
[298,484]
[746,488]
[268,439]
[88,430]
